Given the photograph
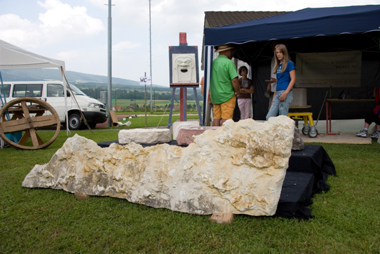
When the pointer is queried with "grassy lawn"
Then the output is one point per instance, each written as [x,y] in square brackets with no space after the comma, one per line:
[126,102]
[152,121]
[53,221]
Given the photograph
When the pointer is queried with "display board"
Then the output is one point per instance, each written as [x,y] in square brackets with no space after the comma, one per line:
[184,68]
[335,69]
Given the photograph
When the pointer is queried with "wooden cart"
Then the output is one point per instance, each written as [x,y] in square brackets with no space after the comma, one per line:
[28,115]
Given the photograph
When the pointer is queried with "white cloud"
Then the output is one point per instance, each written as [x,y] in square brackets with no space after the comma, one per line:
[58,23]
[61,20]
[19,31]
[72,54]
[125,45]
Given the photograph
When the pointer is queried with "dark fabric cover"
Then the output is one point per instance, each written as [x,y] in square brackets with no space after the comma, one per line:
[296,194]
[307,22]
[307,175]
[108,143]
[313,159]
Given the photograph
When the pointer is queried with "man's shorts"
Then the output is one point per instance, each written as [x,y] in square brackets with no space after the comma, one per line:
[225,110]
[371,117]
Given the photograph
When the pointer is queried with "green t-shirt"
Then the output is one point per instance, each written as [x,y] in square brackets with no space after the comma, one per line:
[223,72]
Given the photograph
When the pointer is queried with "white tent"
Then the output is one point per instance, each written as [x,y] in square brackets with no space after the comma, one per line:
[13,57]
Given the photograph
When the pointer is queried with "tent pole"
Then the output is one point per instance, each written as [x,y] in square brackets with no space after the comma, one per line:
[208,56]
[65,95]
[109,101]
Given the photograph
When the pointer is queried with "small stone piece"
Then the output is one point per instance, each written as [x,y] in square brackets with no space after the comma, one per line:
[222,218]
[145,136]
[80,196]
[186,133]
[178,125]
[298,143]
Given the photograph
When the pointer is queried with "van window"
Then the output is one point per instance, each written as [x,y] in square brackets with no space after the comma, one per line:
[55,90]
[28,90]
[76,90]
[6,90]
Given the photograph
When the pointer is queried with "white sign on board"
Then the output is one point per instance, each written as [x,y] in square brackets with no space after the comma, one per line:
[145,80]
[336,69]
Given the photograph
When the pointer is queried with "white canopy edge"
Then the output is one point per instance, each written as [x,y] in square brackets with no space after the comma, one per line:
[13,57]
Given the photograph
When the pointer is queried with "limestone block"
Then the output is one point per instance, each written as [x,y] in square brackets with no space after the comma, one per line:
[178,125]
[145,136]
[238,168]
[186,133]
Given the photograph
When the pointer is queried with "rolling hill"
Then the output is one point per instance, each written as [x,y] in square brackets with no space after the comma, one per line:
[72,77]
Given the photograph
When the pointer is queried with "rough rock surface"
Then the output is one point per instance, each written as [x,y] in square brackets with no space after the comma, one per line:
[238,168]
[145,136]
[298,143]
[180,124]
[185,134]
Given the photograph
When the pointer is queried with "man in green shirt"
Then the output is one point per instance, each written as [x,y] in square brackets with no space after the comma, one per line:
[224,85]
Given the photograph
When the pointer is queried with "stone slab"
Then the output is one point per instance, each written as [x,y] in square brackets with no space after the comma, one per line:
[145,136]
[186,133]
[178,125]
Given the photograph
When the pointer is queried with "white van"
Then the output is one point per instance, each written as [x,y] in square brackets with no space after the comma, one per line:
[52,92]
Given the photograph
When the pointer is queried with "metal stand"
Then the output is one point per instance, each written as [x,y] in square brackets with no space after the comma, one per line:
[183,101]
[308,127]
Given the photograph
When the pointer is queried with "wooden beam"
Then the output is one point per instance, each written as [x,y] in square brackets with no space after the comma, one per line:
[24,124]
[114,118]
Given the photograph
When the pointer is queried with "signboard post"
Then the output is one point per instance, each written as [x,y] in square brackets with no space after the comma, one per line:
[144,81]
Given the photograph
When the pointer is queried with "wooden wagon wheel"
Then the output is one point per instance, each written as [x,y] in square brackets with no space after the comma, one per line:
[27,115]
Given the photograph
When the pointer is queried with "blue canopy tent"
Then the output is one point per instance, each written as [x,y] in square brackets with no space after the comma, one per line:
[306,30]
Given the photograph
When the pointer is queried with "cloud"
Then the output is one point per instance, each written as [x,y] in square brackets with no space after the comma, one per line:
[60,22]
[125,45]
[63,20]
[19,31]
[67,55]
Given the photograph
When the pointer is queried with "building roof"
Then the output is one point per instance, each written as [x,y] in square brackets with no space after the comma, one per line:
[222,18]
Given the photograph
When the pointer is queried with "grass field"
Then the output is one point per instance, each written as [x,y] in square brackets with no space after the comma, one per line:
[53,221]
[161,103]
[152,121]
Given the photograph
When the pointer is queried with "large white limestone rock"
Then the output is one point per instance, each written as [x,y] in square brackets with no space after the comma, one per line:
[238,168]
[145,136]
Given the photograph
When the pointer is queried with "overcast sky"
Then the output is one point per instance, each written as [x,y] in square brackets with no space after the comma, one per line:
[75,31]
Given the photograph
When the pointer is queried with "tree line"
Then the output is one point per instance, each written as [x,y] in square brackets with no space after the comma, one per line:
[136,94]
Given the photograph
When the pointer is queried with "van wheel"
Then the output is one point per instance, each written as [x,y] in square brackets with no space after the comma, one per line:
[74,122]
